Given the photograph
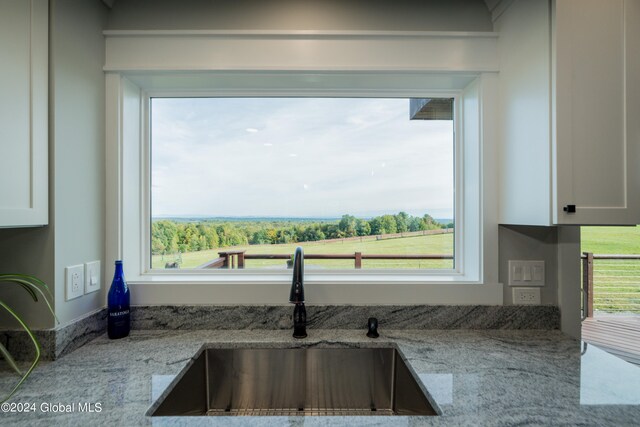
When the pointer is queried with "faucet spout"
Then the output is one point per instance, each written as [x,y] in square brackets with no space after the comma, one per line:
[296,296]
[297,284]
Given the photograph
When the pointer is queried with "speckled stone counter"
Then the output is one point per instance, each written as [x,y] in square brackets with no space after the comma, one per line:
[499,377]
[63,339]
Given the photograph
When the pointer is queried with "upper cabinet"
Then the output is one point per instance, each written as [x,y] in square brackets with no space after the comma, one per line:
[570,107]
[23,113]
[597,111]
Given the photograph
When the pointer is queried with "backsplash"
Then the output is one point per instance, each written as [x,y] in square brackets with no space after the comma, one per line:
[346,317]
[55,343]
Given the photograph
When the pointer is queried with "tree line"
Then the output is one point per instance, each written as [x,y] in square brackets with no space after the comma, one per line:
[170,236]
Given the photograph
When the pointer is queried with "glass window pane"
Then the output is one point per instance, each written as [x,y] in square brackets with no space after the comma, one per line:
[357,182]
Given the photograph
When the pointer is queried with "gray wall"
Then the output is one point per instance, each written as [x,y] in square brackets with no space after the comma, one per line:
[530,243]
[382,15]
[77,132]
[569,280]
[26,251]
[75,233]
[559,247]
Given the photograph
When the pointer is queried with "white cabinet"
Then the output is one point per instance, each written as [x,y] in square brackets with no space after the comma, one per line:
[597,111]
[570,103]
[23,113]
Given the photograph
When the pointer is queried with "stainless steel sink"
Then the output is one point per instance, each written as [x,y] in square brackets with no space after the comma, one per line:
[295,381]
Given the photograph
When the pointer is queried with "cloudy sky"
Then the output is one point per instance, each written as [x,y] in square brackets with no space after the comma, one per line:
[298,157]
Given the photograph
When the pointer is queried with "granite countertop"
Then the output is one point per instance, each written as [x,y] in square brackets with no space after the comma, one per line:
[503,377]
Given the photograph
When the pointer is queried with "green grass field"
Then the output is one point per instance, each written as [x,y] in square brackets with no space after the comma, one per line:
[616,282]
[611,240]
[432,244]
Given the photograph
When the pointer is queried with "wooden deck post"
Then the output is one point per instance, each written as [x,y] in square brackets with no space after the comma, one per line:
[587,282]
[231,257]
[241,260]
[226,263]
[358,260]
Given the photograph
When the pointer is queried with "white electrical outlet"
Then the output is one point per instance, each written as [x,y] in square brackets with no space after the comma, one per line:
[92,277]
[526,273]
[74,281]
[526,296]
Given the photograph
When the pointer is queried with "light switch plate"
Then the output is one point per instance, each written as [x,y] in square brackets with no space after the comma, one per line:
[526,273]
[92,277]
[74,282]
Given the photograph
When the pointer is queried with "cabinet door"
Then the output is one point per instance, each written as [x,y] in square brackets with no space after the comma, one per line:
[23,113]
[597,118]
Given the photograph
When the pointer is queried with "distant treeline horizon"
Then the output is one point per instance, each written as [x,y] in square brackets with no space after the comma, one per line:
[189,234]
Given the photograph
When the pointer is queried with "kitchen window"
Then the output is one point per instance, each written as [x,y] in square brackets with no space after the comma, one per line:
[143,68]
[361,183]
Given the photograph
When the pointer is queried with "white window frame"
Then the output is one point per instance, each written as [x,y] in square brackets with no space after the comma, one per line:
[475,280]
[319,275]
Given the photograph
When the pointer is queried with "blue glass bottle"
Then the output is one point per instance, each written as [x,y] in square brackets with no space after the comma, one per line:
[118,324]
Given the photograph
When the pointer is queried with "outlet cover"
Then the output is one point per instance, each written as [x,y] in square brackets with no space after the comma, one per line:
[74,281]
[526,273]
[526,296]
[92,277]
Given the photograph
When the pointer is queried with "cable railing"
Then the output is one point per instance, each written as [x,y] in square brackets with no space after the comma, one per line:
[610,283]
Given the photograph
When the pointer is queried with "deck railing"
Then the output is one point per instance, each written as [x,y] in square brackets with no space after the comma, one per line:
[610,283]
[237,259]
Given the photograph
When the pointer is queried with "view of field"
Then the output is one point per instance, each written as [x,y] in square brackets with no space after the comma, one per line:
[190,243]
[429,244]
[616,282]
[611,240]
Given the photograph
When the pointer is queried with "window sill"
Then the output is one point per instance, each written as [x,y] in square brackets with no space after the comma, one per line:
[258,277]
[199,289]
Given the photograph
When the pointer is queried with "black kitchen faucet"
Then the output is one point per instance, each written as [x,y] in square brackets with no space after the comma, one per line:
[296,295]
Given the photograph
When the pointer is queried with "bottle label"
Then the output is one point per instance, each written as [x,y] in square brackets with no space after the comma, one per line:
[119,322]
[119,313]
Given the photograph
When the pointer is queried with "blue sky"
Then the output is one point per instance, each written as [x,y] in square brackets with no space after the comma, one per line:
[298,157]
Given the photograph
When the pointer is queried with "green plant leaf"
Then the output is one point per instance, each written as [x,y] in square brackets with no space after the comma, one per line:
[31,284]
[31,279]
[7,356]
[35,343]
[29,290]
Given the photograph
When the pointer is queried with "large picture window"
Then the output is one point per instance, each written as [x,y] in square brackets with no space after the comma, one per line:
[359,183]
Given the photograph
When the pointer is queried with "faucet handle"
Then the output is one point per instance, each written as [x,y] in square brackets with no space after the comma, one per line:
[372,325]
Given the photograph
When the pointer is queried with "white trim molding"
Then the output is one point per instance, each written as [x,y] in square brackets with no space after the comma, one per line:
[329,65]
[301,33]
[192,293]
[301,50]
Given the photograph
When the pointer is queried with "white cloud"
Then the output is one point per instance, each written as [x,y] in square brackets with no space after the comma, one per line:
[326,157]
